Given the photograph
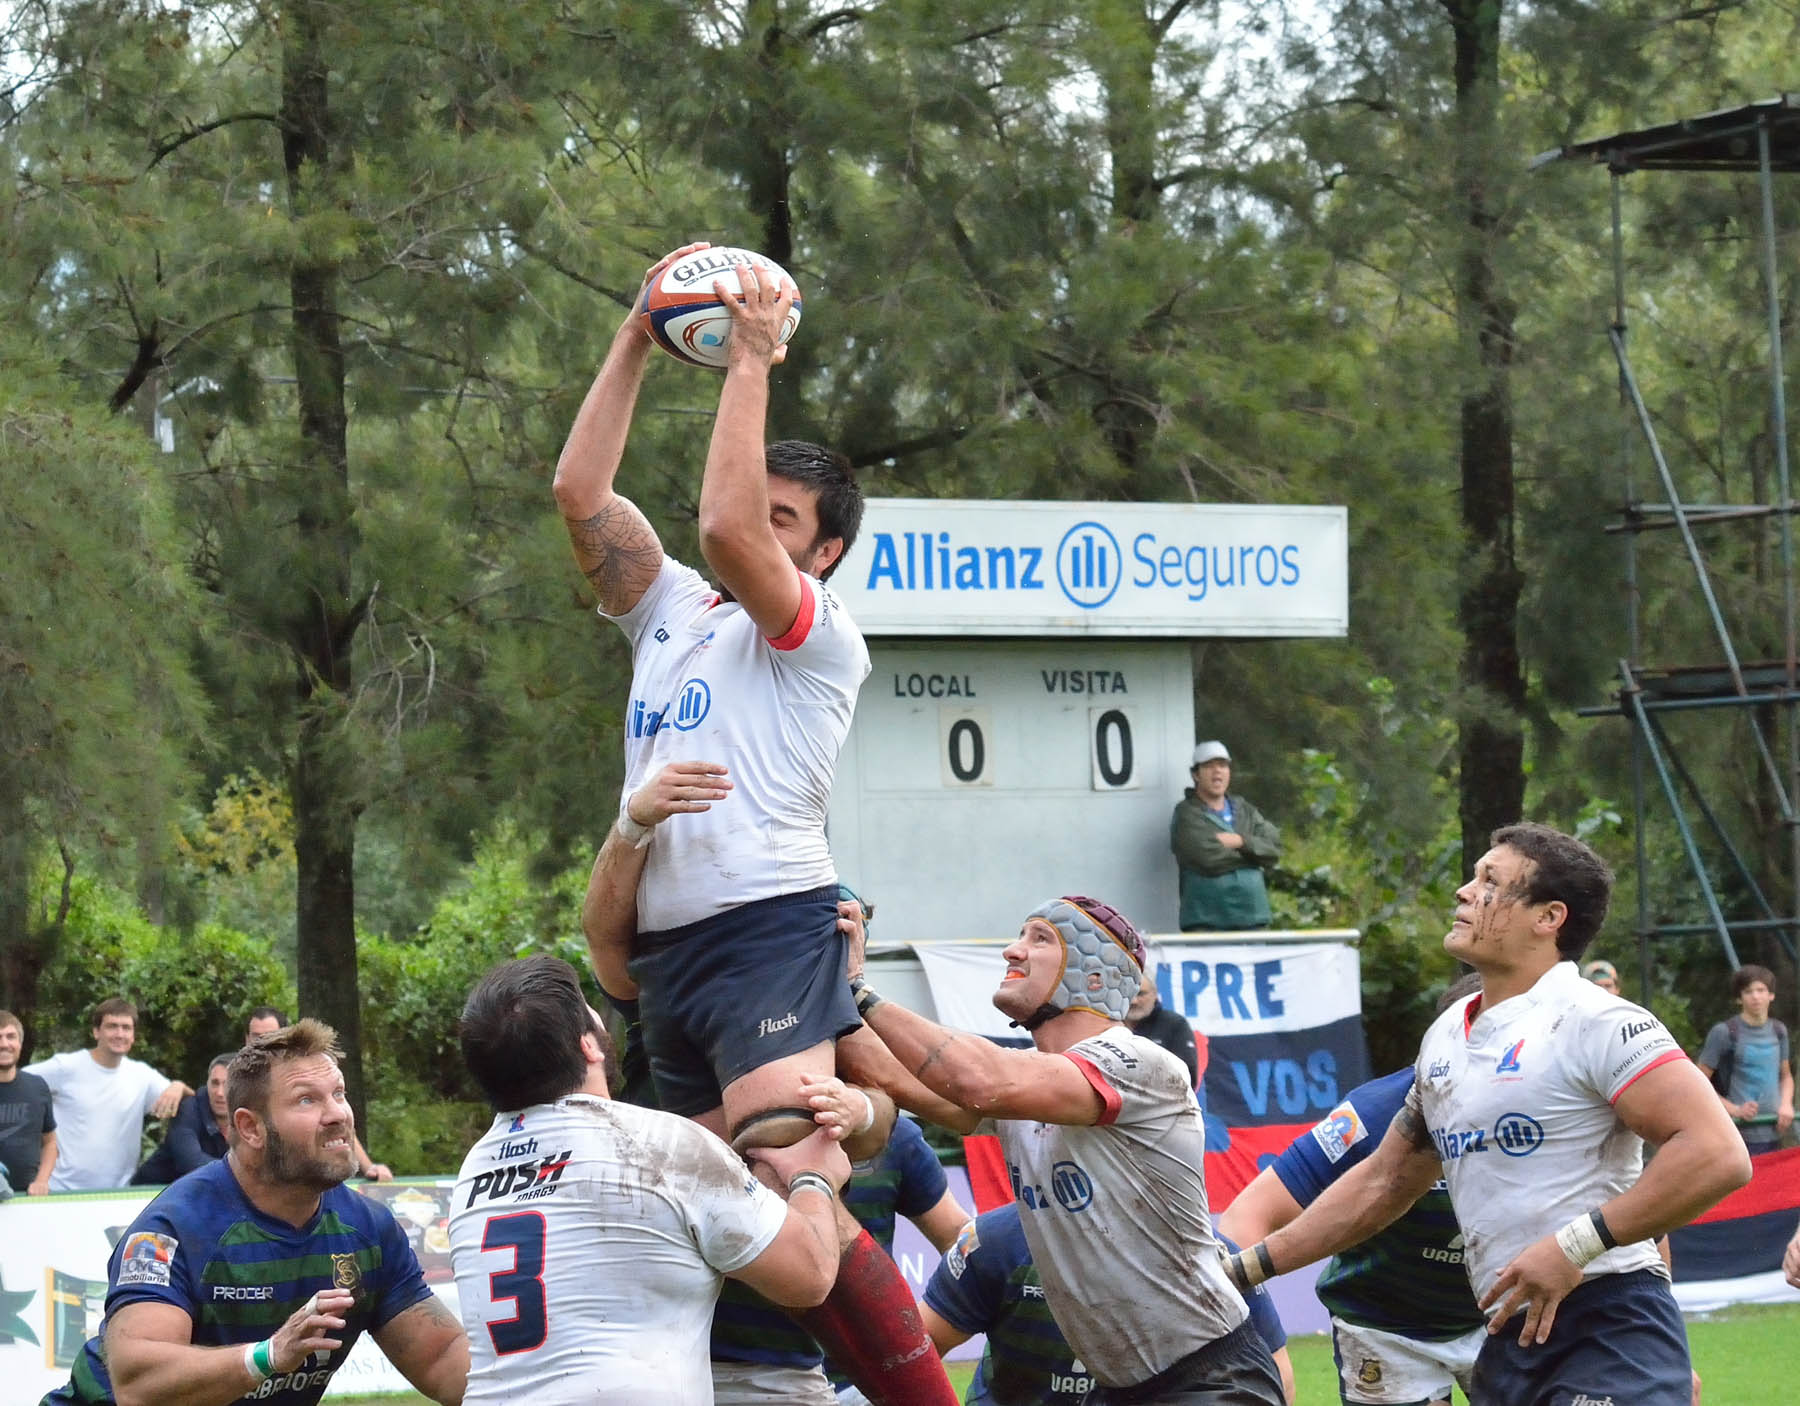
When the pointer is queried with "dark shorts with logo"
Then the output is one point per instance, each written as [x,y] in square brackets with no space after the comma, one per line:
[1235,1370]
[734,992]
[1618,1339]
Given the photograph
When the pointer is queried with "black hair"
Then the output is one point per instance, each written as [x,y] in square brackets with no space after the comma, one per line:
[829,475]
[521,1032]
[1567,871]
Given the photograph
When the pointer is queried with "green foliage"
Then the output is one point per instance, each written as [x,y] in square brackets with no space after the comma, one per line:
[1342,868]
[194,990]
[423,1110]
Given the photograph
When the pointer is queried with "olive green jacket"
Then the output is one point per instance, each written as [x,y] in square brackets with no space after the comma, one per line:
[1222,889]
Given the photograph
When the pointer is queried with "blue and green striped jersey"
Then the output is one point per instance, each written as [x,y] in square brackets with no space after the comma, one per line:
[988,1284]
[1408,1279]
[239,1275]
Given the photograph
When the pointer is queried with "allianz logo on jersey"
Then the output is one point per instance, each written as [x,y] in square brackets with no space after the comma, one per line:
[685,712]
[1515,1134]
[1088,565]
[1072,1188]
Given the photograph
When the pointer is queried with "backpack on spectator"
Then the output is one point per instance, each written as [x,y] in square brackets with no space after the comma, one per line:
[1734,1030]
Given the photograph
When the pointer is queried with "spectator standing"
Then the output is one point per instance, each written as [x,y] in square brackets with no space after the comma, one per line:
[266,1020]
[1746,1058]
[102,1098]
[1222,844]
[199,1133]
[27,1117]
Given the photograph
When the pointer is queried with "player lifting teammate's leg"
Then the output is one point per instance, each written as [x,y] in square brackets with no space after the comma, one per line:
[738,964]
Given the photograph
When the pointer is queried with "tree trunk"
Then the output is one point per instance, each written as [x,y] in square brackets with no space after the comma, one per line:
[1124,53]
[1490,733]
[323,777]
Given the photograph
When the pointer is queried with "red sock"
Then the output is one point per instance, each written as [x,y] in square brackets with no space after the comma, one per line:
[870,1328]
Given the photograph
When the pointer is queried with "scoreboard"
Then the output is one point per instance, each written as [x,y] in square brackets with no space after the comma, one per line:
[1026,727]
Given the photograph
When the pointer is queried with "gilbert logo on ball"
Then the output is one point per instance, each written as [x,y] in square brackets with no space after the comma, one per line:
[682,313]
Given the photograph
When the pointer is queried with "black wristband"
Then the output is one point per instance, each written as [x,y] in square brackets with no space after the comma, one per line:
[866,998]
[1262,1258]
[1603,1230]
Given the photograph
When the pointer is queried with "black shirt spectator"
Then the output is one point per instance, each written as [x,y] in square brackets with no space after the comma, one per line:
[27,1117]
[1147,1016]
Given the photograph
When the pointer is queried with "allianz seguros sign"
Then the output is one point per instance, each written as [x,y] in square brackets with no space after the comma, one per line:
[924,566]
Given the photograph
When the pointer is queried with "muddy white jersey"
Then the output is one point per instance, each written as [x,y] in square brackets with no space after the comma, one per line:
[1519,1100]
[1116,1214]
[589,1239]
[708,685]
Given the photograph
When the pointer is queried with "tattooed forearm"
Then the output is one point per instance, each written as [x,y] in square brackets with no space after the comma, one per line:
[1411,1126]
[933,1056]
[617,550]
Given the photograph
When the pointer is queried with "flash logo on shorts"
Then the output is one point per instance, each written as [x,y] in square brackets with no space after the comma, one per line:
[1583,1399]
[765,1026]
[527,1179]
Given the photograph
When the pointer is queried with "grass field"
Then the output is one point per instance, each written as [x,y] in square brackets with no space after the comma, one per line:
[1746,1357]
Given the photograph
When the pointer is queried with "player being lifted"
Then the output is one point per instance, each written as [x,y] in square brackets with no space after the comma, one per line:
[737,963]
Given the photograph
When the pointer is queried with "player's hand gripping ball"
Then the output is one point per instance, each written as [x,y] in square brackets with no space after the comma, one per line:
[680,310]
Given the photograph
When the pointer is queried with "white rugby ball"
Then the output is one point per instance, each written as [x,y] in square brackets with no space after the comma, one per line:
[681,311]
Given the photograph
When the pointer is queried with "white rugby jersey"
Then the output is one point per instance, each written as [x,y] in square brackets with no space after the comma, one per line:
[708,685]
[588,1239]
[1519,1100]
[1116,1214]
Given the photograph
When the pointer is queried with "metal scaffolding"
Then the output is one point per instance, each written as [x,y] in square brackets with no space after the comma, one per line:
[1764,138]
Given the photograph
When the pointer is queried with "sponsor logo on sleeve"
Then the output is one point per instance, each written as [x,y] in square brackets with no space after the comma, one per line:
[967,1240]
[1339,1131]
[147,1258]
[1440,1069]
[1129,1061]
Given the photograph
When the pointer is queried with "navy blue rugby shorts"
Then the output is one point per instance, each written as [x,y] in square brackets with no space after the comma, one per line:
[744,988]
[1618,1339]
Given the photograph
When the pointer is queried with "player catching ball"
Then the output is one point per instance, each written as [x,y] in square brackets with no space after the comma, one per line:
[737,961]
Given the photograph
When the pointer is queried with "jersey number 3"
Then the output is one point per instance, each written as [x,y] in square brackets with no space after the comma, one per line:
[523,1283]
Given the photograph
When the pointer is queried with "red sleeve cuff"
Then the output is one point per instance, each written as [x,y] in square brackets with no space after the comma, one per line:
[803,619]
[1110,1099]
[1656,1063]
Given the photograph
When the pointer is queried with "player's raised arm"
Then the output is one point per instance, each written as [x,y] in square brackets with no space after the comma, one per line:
[615,546]
[737,534]
[1364,1200]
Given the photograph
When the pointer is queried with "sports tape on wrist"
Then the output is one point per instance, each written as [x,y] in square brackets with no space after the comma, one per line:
[633,830]
[869,1116]
[1580,1242]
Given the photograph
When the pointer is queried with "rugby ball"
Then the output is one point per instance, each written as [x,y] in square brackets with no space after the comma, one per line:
[682,314]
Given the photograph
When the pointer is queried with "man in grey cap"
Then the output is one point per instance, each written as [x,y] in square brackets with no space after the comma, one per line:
[1222,844]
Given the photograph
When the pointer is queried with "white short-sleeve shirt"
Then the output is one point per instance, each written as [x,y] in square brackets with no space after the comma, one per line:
[1519,1100]
[589,1239]
[1116,1214]
[708,685]
[100,1116]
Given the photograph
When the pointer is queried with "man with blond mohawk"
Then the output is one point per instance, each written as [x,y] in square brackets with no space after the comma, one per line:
[1104,1143]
